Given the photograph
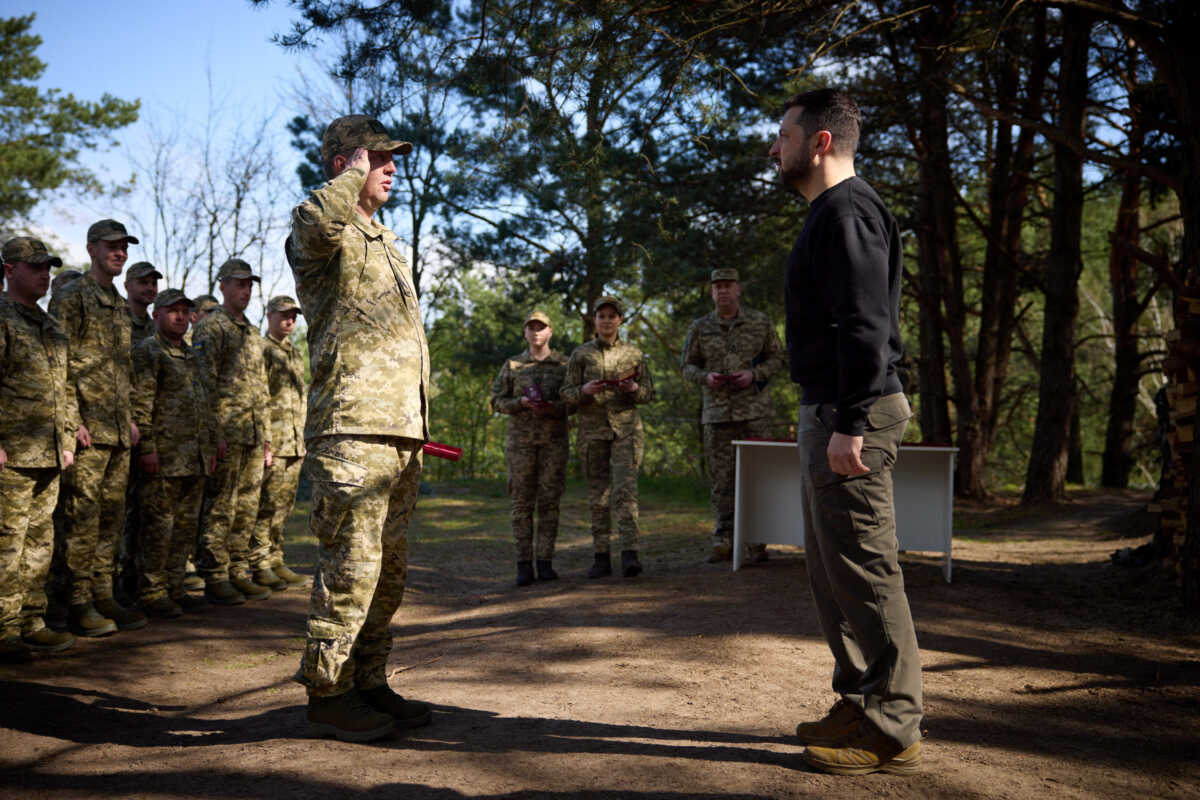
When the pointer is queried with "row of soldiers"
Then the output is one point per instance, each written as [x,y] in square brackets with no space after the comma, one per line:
[731,353]
[178,410]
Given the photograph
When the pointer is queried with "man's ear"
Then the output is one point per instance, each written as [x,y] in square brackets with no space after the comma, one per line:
[339,164]
[824,144]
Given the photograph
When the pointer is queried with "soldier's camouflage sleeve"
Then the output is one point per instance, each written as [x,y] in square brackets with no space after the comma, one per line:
[66,312]
[70,404]
[572,388]
[145,390]
[503,400]
[209,346]
[645,391]
[773,356]
[693,360]
[317,223]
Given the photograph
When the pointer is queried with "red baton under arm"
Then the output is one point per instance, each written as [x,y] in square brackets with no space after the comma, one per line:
[446,451]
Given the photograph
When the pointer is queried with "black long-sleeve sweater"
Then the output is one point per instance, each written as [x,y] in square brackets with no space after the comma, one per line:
[843,303]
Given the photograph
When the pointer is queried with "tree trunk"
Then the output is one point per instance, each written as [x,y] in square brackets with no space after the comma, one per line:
[1044,479]
[1123,272]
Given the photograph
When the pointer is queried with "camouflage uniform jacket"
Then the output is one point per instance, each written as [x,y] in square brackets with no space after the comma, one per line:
[171,408]
[39,413]
[610,413]
[99,366]
[140,327]
[230,354]
[518,374]
[368,358]
[285,377]
[748,341]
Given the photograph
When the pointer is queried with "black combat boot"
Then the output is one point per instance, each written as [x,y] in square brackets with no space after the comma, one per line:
[602,566]
[525,573]
[630,566]
[545,571]
[347,717]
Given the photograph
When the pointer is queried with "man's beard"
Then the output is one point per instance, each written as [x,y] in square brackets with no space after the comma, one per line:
[792,176]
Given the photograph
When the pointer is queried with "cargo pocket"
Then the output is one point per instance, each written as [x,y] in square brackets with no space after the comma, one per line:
[848,504]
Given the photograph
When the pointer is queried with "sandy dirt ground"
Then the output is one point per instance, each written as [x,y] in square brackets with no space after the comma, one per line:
[1048,673]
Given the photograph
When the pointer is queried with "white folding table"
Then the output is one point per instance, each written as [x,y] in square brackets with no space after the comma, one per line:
[768,502]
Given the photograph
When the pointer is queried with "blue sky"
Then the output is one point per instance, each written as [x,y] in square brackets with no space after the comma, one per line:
[161,53]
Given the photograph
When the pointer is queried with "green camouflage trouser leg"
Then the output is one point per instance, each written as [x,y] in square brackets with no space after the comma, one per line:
[722,469]
[610,467]
[275,504]
[537,475]
[364,490]
[94,507]
[225,534]
[27,498]
[167,536]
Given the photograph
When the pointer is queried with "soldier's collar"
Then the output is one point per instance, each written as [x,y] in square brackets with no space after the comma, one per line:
[180,349]
[373,228]
[108,295]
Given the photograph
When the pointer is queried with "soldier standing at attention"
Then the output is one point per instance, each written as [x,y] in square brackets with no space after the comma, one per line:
[141,287]
[289,401]
[368,416]
[230,354]
[606,380]
[96,321]
[37,441]
[732,353]
[842,296]
[537,446]
[204,305]
[178,447]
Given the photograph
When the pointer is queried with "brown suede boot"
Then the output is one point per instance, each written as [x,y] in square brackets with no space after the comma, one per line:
[407,713]
[347,717]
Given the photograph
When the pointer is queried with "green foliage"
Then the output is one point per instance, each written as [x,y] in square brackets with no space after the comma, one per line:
[42,133]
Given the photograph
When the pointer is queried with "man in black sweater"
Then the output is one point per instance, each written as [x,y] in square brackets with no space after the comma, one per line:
[843,342]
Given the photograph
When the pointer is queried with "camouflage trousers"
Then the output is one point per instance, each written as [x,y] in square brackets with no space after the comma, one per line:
[170,508]
[610,467]
[27,498]
[275,504]
[94,512]
[226,530]
[722,469]
[537,475]
[364,490]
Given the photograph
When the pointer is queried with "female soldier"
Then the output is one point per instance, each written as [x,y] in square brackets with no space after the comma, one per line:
[607,379]
[528,388]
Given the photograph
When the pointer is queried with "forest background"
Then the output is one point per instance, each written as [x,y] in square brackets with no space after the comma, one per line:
[1040,155]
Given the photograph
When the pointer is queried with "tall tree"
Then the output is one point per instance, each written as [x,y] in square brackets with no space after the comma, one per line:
[42,133]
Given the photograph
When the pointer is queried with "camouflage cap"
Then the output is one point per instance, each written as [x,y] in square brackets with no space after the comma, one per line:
[236,268]
[723,274]
[539,316]
[29,250]
[206,301]
[358,130]
[141,269]
[63,278]
[169,297]
[608,300]
[282,302]
[110,231]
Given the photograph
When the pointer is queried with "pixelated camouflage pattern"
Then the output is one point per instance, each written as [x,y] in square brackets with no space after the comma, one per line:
[748,341]
[171,408]
[140,327]
[610,468]
[275,503]
[170,511]
[537,475]
[230,355]
[289,396]
[721,459]
[368,357]
[94,512]
[364,489]
[517,375]
[232,492]
[611,413]
[39,415]
[27,500]
[99,367]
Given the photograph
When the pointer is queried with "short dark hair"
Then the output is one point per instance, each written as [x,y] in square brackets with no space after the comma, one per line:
[829,110]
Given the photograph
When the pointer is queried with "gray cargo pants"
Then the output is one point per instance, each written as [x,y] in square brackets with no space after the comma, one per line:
[854,570]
